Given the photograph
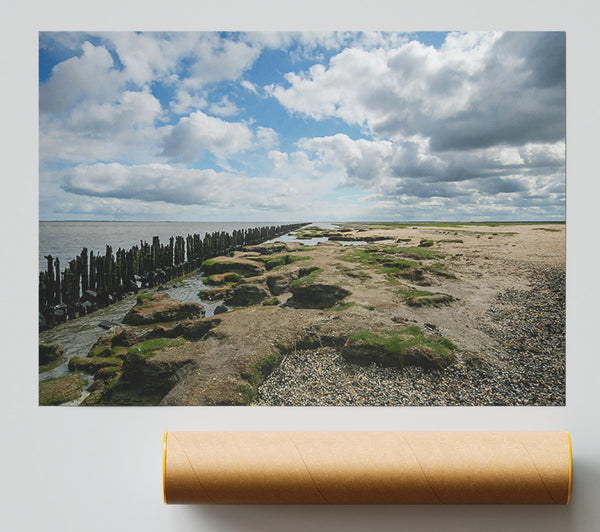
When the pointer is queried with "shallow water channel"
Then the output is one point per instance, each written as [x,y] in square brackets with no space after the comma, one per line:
[77,336]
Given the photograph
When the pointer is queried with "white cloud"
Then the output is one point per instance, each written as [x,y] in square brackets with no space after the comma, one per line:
[409,169]
[477,90]
[306,40]
[362,159]
[186,101]
[249,85]
[150,56]
[217,59]
[132,110]
[150,182]
[214,60]
[123,129]
[224,107]
[156,56]
[309,44]
[178,186]
[379,39]
[266,137]
[479,121]
[199,132]
[90,76]
[277,159]
[147,57]
[297,167]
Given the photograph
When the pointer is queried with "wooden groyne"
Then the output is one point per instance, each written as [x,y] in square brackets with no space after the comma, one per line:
[93,281]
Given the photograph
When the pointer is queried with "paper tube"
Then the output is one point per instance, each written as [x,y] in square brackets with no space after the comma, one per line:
[367,467]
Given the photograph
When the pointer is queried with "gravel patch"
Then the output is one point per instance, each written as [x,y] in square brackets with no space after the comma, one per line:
[526,368]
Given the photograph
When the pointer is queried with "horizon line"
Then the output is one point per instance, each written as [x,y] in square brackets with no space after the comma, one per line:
[320,221]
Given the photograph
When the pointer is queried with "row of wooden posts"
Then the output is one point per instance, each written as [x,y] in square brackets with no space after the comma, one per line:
[93,281]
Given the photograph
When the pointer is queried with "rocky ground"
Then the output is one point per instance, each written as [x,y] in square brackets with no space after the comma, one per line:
[405,315]
[529,366]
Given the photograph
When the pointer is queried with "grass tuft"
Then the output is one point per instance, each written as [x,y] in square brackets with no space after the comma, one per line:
[259,372]
[222,278]
[142,297]
[147,348]
[277,262]
[307,279]
[405,347]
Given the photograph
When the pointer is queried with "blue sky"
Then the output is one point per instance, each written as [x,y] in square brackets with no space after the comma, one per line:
[302,126]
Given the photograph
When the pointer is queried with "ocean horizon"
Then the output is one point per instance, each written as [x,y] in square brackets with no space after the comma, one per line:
[65,240]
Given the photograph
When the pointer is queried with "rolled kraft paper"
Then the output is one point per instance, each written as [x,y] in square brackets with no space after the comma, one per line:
[367,467]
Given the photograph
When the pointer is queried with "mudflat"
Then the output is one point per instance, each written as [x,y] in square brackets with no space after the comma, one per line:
[378,314]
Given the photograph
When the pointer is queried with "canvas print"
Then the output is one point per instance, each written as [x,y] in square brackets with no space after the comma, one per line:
[301,219]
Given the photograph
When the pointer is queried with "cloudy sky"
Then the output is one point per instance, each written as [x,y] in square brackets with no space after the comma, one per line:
[302,126]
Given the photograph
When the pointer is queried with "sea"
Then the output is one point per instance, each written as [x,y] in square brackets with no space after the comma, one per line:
[65,240]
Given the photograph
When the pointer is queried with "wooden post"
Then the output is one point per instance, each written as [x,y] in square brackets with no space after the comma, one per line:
[84,270]
[50,282]
[57,291]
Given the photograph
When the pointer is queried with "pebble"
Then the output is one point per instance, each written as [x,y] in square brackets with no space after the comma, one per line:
[528,327]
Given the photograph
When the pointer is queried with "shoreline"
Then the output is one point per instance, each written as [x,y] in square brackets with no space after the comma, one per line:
[285,335]
[91,282]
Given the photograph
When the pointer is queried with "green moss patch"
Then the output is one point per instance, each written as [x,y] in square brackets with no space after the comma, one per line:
[277,262]
[94,364]
[108,372]
[100,350]
[392,261]
[308,279]
[314,228]
[118,351]
[145,297]
[416,252]
[406,269]
[441,270]
[399,348]
[214,294]
[356,273]
[387,262]
[61,390]
[271,302]
[161,309]
[192,330]
[48,353]
[309,233]
[218,279]
[148,348]
[307,236]
[243,267]
[257,374]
